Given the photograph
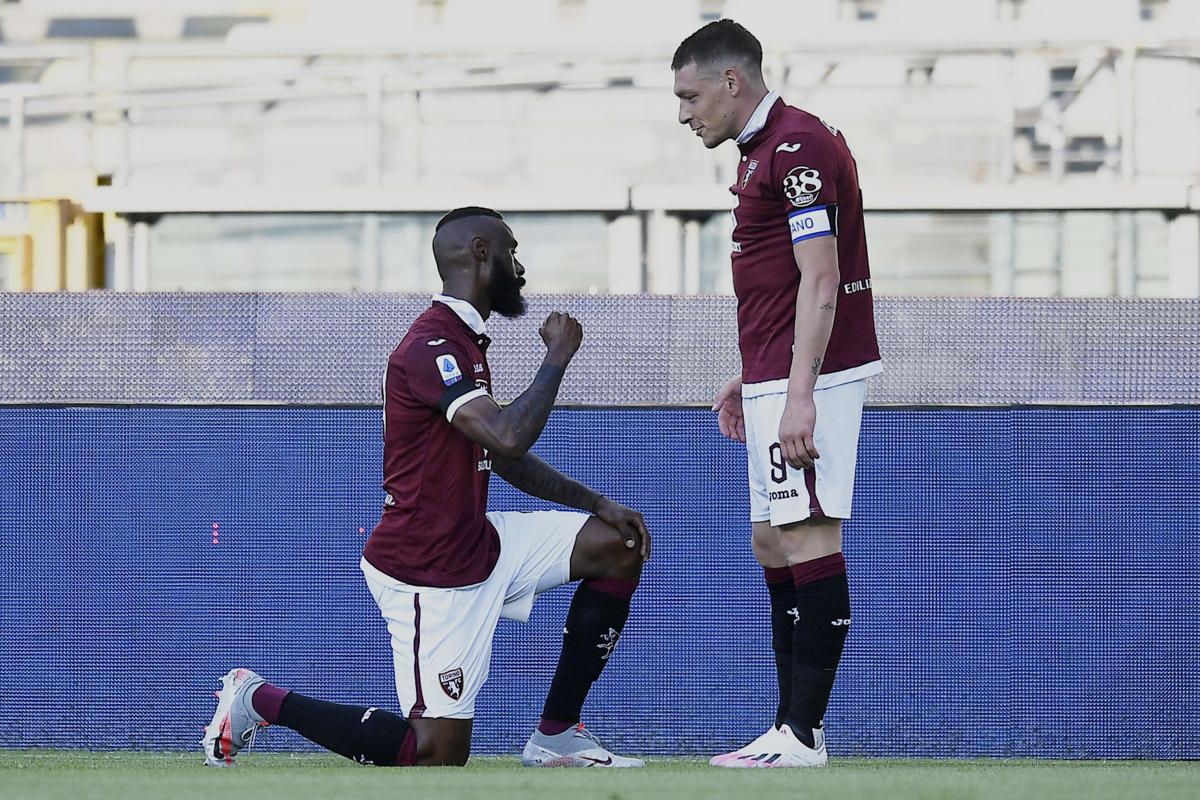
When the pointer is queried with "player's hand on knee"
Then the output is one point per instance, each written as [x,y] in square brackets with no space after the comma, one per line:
[628,523]
[562,334]
[728,405]
[796,433]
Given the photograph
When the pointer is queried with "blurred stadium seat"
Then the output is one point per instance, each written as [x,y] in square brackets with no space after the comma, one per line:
[149,20]
[974,16]
[1112,16]
[571,98]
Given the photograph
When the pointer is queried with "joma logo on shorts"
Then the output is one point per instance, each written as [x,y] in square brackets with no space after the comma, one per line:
[785,494]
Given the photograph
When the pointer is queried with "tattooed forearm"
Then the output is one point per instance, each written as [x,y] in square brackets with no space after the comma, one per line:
[827,307]
[816,366]
[527,415]
[535,477]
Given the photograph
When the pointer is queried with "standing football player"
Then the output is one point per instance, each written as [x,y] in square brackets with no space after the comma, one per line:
[806,331]
[441,569]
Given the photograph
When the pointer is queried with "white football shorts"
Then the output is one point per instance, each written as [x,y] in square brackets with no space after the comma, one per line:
[781,494]
[442,638]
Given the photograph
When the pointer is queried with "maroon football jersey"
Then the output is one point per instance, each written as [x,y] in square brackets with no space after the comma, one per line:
[433,531]
[796,181]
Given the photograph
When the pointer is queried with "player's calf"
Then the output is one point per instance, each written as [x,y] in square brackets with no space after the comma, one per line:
[610,571]
[367,735]
[247,702]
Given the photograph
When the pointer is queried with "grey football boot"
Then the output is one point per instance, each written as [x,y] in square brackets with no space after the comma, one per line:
[574,747]
[235,722]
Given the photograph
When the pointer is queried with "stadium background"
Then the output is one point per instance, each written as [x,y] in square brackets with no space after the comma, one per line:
[1023,554]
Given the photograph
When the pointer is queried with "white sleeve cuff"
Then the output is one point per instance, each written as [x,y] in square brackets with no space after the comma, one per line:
[462,401]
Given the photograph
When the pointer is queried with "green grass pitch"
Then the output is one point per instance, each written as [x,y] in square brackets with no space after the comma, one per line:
[81,775]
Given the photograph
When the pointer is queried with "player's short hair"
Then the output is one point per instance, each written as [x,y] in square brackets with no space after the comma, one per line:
[717,44]
[466,211]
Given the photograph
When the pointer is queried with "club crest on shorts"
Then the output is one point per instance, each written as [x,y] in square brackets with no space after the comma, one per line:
[452,682]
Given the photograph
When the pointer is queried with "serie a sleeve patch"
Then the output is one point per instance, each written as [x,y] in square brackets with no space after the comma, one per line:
[448,369]
[813,222]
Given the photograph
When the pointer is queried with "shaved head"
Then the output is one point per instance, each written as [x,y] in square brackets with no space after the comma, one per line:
[456,231]
[475,253]
[467,211]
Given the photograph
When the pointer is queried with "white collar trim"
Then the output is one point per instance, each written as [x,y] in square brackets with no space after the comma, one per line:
[465,311]
[758,119]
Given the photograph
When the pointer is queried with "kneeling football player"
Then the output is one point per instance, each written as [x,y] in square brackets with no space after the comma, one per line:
[441,569]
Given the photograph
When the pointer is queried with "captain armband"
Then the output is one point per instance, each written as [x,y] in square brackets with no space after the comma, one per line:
[813,222]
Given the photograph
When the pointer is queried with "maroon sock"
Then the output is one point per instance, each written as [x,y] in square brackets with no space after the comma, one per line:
[553,727]
[818,569]
[267,700]
[621,588]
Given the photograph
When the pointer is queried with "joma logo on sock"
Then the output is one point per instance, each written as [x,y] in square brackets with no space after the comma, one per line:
[840,622]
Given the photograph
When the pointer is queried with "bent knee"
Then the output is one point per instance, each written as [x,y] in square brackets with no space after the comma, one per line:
[621,560]
[600,552]
[442,742]
[444,756]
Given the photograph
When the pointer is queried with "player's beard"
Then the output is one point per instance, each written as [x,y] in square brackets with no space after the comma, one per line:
[504,295]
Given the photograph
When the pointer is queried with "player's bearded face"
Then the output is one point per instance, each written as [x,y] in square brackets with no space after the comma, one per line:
[504,294]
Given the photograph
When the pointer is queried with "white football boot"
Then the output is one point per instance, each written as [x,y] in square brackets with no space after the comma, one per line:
[235,722]
[754,747]
[777,748]
[574,747]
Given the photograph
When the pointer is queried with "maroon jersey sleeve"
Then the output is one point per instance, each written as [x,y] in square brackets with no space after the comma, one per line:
[806,171]
[438,376]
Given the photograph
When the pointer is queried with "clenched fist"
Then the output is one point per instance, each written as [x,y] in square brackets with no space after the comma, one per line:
[562,334]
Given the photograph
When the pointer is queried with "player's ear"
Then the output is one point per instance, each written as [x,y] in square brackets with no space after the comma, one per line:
[733,82]
[479,249]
